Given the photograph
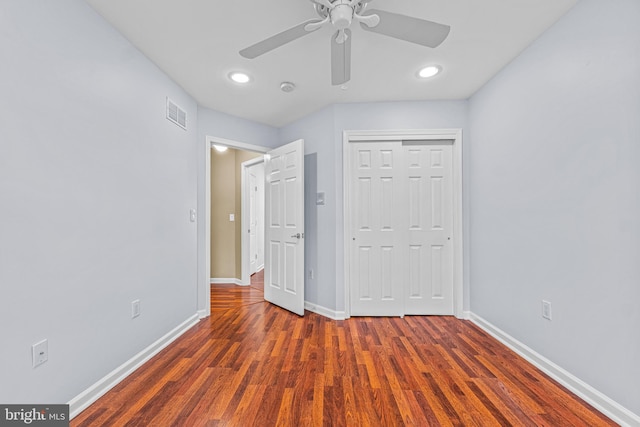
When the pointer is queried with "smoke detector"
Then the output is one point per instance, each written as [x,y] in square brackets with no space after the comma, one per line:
[287,87]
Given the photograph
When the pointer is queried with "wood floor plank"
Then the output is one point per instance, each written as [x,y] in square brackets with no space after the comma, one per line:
[318,400]
[254,364]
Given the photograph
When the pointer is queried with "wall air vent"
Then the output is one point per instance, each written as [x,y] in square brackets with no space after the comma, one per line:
[176,114]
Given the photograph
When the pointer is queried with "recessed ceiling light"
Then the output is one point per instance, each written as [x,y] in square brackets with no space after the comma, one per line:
[239,77]
[220,148]
[429,71]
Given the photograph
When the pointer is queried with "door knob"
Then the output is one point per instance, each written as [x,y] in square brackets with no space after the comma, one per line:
[297,235]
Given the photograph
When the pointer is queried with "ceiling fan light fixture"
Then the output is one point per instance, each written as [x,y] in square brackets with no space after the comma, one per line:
[341,16]
[239,77]
[429,71]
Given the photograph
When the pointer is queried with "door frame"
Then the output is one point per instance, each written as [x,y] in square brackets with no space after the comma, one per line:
[204,305]
[355,136]
[244,204]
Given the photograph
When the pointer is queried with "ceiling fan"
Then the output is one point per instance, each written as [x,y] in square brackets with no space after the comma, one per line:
[341,14]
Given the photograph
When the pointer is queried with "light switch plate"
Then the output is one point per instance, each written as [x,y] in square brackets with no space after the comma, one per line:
[320,198]
[40,352]
[135,308]
[546,309]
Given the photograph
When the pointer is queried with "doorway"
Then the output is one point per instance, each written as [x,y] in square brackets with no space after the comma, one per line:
[284,225]
[403,227]
[230,205]
[204,282]
[252,216]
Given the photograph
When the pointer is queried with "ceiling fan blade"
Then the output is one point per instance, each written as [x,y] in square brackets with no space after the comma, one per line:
[408,28]
[341,59]
[278,40]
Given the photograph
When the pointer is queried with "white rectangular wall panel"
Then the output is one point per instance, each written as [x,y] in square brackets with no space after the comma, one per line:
[386,159]
[274,263]
[415,271]
[290,216]
[387,272]
[363,206]
[436,265]
[386,203]
[364,159]
[275,203]
[364,273]
[437,203]
[290,267]
[415,203]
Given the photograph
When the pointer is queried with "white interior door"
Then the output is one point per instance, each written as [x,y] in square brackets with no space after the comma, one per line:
[401,228]
[253,221]
[429,212]
[376,276]
[284,227]
[259,169]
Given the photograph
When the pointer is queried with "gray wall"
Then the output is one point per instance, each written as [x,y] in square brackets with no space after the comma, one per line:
[555,177]
[221,125]
[95,191]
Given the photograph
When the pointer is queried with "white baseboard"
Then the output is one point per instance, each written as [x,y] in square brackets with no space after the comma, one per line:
[466,315]
[93,393]
[225,280]
[203,314]
[323,311]
[595,398]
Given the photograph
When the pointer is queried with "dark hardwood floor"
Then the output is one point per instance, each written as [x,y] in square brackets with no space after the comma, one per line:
[254,364]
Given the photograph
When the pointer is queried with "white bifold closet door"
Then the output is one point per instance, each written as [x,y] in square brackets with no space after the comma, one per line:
[402,225]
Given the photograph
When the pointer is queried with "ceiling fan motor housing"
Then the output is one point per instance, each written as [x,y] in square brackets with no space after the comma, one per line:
[341,16]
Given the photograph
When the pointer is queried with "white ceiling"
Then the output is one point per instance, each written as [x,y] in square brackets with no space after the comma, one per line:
[196,42]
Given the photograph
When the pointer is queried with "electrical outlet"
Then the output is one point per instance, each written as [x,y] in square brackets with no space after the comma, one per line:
[546,309]
[135,308]
[40,352]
